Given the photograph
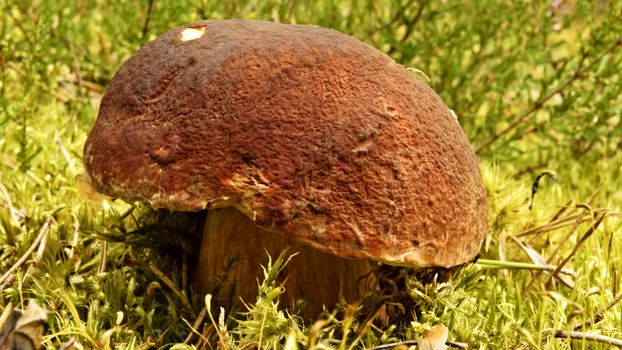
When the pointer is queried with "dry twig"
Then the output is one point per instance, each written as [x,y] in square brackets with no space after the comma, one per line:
[600,314]
[558,333]
[587,235]
[33,246]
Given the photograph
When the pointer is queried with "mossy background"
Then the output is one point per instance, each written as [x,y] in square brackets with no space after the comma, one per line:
[536,86]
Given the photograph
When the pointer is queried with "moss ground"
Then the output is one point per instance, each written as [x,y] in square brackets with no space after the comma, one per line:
[536,86]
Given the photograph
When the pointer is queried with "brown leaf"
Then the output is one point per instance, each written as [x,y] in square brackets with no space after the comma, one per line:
[24,328]
[434,339]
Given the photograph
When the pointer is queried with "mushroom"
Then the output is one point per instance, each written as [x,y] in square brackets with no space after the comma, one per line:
[290,135]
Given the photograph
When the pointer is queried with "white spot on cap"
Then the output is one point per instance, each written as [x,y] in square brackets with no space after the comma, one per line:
[453,114]
[192,33]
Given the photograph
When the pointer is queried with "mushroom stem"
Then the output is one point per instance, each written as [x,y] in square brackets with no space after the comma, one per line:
[233,250]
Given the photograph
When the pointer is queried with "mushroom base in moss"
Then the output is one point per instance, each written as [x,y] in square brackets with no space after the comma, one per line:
[235,248]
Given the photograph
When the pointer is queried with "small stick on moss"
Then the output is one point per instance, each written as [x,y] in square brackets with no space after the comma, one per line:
[559,223]
[562,210]
[195,326]
[570,209]
[576,224]
[587,235]
[33,246]
[194,330]
[599,189]
[36,257]
[572,230]
[600,314]
[558,333]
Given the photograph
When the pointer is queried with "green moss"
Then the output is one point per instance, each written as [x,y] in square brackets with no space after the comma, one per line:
[112,276]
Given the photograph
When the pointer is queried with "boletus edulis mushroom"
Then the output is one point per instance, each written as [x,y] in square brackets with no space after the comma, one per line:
[290,135]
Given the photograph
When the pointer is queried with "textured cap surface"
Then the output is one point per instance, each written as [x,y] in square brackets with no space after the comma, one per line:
[311,133]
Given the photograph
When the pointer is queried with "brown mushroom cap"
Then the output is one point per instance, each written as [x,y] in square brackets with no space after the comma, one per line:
[311,133]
